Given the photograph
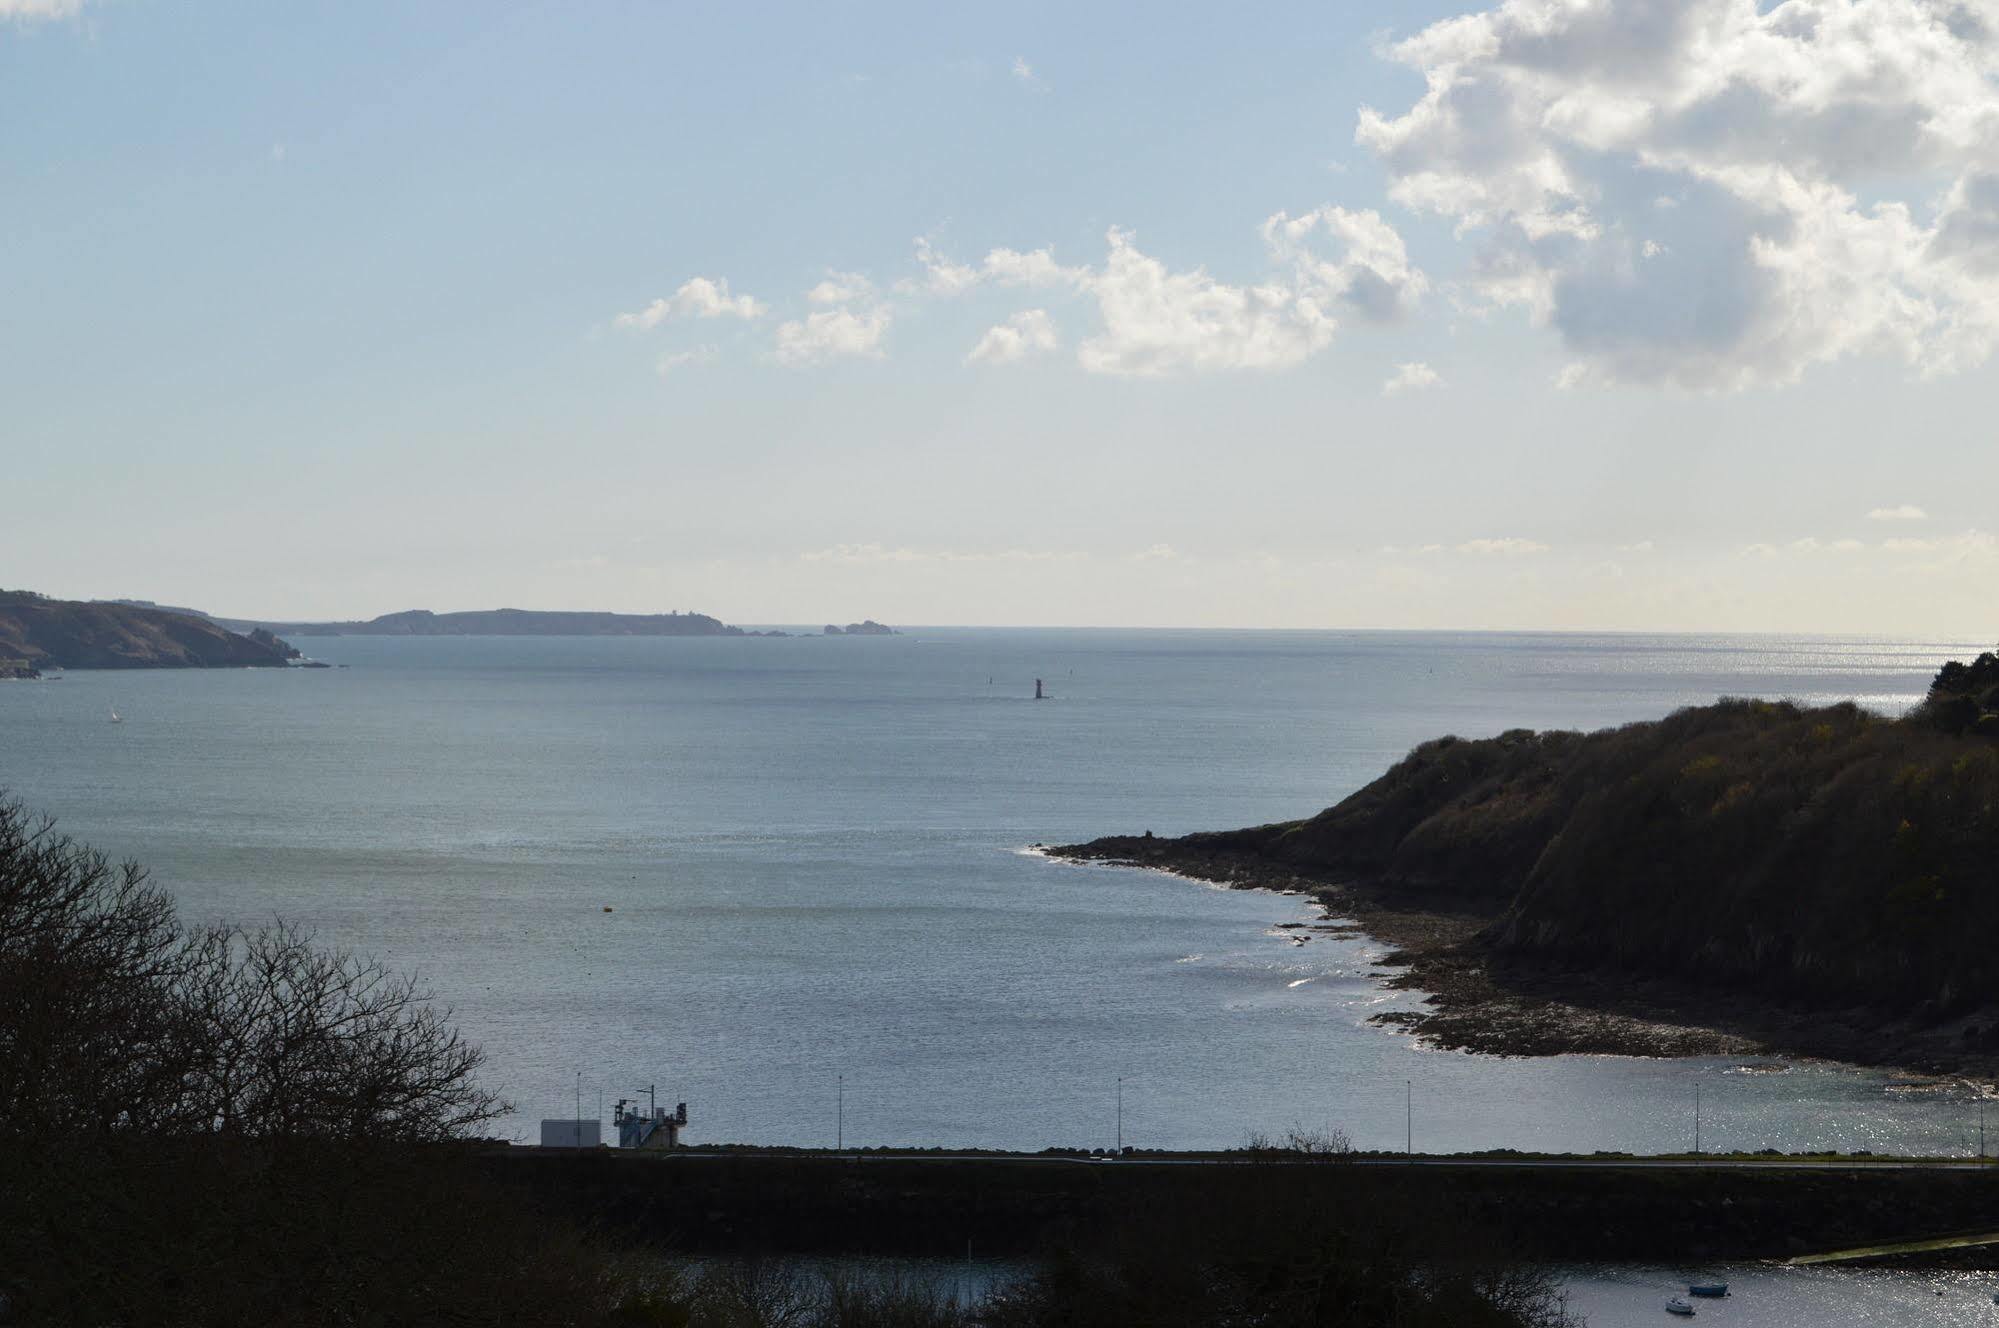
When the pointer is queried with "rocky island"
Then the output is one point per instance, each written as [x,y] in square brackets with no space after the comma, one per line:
[37,632]
[1745,875]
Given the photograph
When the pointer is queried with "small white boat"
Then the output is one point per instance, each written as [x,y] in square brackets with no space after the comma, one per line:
[1676,1305]
[114,716]
[1708,1289]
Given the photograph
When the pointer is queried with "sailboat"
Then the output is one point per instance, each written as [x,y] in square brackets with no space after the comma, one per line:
[114,716]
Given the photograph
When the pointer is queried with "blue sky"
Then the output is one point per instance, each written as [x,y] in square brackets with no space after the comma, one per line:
[316,309]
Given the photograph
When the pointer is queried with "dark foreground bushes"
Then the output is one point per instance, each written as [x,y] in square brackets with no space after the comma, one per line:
[1253,1266]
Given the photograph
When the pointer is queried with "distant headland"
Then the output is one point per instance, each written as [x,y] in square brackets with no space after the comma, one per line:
[507,622]
[37,633]
[1738,876]
[531,622]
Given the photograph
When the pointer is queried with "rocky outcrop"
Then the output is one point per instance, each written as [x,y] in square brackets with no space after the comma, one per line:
[867,628]
[37,633]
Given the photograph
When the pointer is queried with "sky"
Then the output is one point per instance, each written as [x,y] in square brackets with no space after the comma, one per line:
[1549,314]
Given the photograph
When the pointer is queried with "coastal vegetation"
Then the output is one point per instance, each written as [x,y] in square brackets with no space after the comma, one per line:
[1756,853]
[37,632]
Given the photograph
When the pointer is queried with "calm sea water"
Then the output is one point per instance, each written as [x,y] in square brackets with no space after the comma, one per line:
[812,851]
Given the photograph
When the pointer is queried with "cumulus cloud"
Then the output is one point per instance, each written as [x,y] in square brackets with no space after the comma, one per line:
[832,334]
[849,323]
[841,288]
[1027,333]
[1717,193]
[699,298]
[681,359]
[1154,320]
[1411,378]
[30,11]
[1906,512]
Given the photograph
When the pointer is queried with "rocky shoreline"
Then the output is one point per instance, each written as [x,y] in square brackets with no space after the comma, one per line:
[1480,1000]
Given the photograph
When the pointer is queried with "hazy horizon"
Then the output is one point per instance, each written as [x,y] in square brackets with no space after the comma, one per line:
[813,624]
[1661,317]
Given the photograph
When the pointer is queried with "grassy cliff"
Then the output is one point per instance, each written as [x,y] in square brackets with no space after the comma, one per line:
[1828,856]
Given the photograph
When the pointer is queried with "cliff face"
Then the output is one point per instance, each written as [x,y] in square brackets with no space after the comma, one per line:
[1826,856]
[43,633]
[510,622]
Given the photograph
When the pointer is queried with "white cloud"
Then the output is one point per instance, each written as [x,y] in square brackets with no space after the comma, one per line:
[1157,553]
[1717,193]
[698,298]
[849,323]
[680,359]
[1371,275]
[1502,548]
[30,11]
[1024,72]
[1028,333]
[1639,546]
[841,288]
[1411,378]
[831,334]
[1905,512]
[1155,321]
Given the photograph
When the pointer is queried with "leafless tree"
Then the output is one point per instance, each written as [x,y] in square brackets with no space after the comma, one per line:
[301,1041]
[115,1016]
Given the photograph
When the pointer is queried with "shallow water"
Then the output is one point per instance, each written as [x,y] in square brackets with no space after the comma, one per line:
[812,854]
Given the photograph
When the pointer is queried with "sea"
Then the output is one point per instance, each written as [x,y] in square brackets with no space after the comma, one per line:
[792,882]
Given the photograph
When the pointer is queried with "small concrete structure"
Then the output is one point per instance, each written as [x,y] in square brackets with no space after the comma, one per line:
[653,1128]
[571,1133]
